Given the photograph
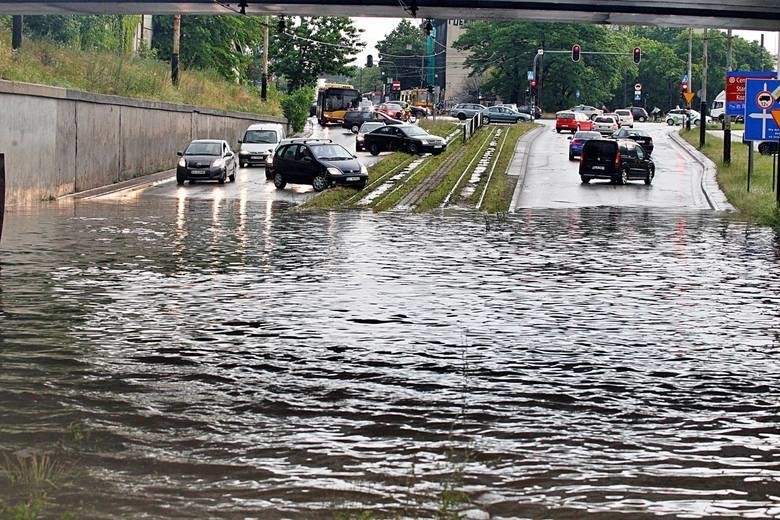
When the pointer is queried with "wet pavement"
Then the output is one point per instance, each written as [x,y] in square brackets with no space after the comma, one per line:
[220,357]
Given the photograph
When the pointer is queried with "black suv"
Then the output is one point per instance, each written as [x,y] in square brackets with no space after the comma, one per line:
[318,162]
[639,114]
[619,161]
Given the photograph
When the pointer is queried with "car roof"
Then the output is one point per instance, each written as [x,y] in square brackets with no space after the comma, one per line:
[216,141]
[265,126]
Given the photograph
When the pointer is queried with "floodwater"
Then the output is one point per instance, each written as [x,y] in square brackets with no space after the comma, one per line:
[219,359]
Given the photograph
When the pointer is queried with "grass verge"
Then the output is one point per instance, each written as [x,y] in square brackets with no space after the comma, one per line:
[472,148]
[499,192]
[126,75]
[758,205]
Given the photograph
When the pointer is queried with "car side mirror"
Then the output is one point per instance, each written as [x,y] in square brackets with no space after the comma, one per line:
[569,138]
[354,156]
[229,154]
[180,154]
[240,141]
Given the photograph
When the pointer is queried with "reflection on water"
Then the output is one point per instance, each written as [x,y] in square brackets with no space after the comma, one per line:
[221,358]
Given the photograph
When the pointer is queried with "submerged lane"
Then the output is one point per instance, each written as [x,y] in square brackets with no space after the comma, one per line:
[219,358]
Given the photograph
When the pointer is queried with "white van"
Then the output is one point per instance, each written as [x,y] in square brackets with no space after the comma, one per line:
[259,141]
[718,109]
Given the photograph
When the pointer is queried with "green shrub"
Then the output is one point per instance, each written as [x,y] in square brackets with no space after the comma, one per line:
[295,107]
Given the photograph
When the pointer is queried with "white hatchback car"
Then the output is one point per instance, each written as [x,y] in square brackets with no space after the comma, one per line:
[259,141]
[626,118]
[605,124]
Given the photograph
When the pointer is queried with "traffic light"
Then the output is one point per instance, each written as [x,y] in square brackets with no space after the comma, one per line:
[575,52]
[684,87]
[533,86]
[369,61]
[637,55]
[429,88]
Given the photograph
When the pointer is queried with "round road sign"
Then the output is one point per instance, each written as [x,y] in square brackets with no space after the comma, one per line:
[765,100]
[638,86]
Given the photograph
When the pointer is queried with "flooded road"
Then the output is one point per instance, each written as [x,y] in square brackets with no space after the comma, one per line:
[193,358]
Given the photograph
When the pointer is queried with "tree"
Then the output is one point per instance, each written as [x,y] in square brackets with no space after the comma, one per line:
[401,54]
[366,79]
[226,44]
[90,33]
[304,48]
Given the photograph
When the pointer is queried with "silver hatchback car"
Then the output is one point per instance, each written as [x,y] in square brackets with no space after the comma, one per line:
[466,110]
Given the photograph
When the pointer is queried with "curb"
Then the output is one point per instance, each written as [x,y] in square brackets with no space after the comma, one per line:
[709,179]
[519,162]
[137,183]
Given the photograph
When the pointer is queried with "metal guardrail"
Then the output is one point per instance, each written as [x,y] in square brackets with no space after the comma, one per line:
[471,126]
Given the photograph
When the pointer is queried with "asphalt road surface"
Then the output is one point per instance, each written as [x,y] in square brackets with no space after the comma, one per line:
[552,180]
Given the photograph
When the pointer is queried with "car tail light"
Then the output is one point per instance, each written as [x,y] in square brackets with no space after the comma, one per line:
[582,157]
[617,161]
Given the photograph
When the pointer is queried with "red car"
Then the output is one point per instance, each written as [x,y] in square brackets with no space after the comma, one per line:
[394,111]
[572,121]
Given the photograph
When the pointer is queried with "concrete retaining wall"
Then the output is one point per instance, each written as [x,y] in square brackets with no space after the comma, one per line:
[59,141]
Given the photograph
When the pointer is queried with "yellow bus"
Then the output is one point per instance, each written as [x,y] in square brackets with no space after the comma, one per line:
[419,97]
[333,101]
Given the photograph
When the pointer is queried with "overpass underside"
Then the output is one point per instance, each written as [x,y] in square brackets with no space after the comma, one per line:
[763,15]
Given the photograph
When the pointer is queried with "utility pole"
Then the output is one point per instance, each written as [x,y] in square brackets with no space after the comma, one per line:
[175,51]
[703,111]
[726,116]
[16,38]
[264,79]
[690,73]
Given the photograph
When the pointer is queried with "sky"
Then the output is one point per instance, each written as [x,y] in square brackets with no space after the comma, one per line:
[376,29]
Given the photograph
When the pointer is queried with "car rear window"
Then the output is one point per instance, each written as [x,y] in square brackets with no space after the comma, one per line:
[565,115]
[604,120]
[600,150]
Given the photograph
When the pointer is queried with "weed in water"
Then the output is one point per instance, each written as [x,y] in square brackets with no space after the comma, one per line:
[32,470]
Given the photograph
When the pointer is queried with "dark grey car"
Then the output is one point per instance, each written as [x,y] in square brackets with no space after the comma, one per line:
[466,110]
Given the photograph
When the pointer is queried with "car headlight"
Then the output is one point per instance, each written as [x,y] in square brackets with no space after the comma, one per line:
[360,138]
[219,163]
[182,163]
[243,152]
[333,171]
[363,169]
[269,160]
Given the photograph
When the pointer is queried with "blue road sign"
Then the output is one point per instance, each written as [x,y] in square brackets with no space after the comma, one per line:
[577,94]
[735,88]
[761,97]
[637,96]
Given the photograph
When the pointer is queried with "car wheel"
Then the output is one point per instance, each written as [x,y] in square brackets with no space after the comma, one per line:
[670,122]
[355,129]
[279,181]
[180,179]
[593,117]
[412,119]
[585,180]
[320,182]
[641,119]
[413,148]
[462,117]
[222,179]
[233,176]
[373,149]
[571,157]
[486,120]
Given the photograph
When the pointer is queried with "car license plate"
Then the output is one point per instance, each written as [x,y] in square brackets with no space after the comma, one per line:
[198,172]
[598,167]
[257,157]
[353,179]
[437,146]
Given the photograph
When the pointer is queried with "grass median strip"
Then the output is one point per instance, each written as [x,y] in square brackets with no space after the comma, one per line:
[472,148]
[498,195]
[758,205]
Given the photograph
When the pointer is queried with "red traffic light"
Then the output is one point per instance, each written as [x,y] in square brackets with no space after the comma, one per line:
[684,87]
[637,55]
[575,52]
[533,83]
